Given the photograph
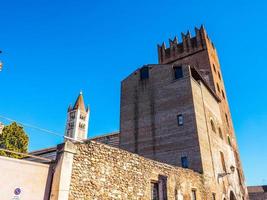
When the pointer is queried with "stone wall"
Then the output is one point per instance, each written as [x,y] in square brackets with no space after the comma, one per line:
[103,172]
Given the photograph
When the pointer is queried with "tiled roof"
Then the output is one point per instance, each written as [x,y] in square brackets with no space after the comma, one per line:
[79,103]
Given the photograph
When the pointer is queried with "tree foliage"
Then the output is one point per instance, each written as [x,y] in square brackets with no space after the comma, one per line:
[15,139]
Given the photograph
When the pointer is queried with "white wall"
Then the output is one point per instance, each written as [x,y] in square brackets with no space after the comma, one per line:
[30,177]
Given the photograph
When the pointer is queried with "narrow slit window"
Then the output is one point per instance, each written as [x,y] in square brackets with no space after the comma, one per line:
[218,88]
[226,118]
[178,72]
[220,133]
[219,75]
[229,140]
[212,126]
[223,162]
[193,194]
[154,191]
[214,67]
[239,176]
[223,94]
[180,120]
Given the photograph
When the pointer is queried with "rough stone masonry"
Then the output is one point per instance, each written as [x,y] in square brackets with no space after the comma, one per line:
[102,172]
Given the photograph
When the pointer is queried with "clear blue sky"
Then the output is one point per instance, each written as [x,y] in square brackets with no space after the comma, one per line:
[54,49]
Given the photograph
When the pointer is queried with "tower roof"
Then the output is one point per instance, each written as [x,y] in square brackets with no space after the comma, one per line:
[79,104]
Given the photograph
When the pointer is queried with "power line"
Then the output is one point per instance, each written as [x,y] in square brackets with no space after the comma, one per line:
[40,129]
[32,126]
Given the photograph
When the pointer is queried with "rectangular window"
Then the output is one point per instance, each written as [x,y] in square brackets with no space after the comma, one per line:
[184,161]
[180,120]
[144,73]
[163,193]
[178,72]
[223,162]
[154,191]
[193,194]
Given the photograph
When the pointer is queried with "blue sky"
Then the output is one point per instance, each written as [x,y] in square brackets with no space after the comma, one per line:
[54,49]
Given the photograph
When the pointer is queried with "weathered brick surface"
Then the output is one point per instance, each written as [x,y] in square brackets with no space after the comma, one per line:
[257,192]
[149,108]
[102,172]
[112,139]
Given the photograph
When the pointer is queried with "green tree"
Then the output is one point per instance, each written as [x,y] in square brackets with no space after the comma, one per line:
[15,139]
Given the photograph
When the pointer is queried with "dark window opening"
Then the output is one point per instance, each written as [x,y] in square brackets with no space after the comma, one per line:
[213,196]
[178,72]
[229,140]
[154,191]
[163,187]
[184,161]
[220,133]
[223,162]
[239,176]
[72,115]
[193,194]
[214,68]
[81,125]
[226,118]
[218,87]
[223,94]
[219,75]
[180,120]
[212,126]
[144,73]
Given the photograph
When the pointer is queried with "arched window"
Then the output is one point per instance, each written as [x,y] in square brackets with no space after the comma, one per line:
[212,126]
[220,133]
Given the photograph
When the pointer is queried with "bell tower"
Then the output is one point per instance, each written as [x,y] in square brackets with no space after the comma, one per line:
[77,120]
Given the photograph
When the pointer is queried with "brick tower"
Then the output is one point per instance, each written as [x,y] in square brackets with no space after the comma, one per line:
[77,120]
[177,112]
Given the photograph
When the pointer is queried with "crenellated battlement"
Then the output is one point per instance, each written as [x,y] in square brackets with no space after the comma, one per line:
[187,46]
